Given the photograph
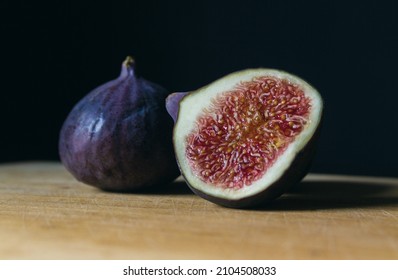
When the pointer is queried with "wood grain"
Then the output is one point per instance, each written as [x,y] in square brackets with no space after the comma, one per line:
[46,214]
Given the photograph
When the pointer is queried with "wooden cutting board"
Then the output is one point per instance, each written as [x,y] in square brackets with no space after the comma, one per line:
[46,214]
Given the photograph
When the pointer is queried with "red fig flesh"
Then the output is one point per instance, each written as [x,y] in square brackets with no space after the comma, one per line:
[118,137]
[247,137]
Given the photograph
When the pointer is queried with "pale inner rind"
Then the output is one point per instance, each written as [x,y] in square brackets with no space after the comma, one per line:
[191,108]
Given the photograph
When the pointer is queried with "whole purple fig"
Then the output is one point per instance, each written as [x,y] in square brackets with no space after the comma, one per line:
[119,136]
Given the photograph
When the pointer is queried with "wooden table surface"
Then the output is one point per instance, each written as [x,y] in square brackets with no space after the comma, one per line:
[46,214]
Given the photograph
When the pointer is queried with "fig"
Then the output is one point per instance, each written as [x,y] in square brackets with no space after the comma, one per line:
[246,138]
[119,136]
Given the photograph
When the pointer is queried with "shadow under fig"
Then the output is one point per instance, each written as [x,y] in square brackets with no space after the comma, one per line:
[317,195]
[174,188]
[308,195]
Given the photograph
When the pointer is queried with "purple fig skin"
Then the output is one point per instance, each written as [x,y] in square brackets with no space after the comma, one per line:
[119,136]
[173,103]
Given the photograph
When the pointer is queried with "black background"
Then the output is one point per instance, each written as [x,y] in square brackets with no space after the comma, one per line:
[54,53]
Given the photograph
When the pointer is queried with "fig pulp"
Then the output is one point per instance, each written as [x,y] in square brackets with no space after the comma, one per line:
[246,138]
[118,137]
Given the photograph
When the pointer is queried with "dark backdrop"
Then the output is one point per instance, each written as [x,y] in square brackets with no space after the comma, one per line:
[52,54]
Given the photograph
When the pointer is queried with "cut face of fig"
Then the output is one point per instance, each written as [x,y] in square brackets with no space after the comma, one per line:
[247,137]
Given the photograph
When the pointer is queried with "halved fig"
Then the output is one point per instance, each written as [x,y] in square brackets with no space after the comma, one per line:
[247,137]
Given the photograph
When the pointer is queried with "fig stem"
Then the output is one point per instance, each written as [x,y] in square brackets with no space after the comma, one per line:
[129,61]
[127,67]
